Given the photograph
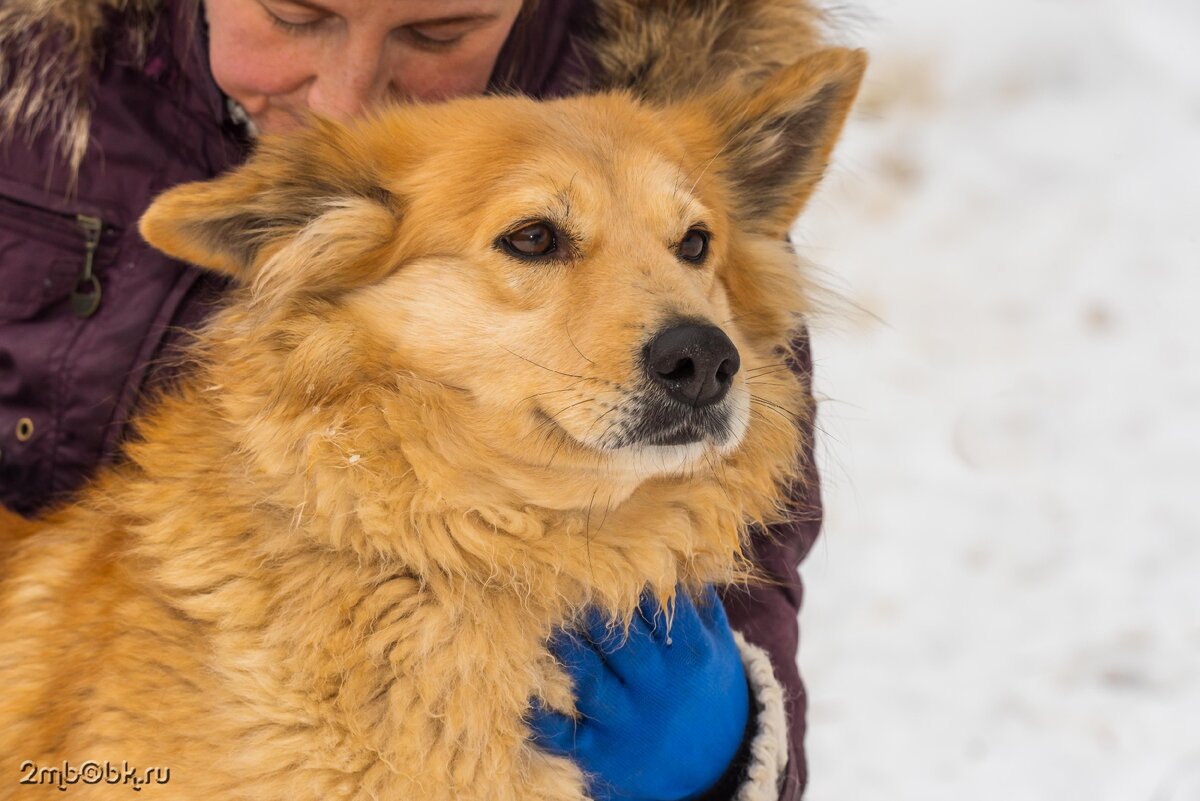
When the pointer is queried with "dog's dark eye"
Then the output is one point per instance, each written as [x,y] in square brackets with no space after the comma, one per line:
[694,246]
[535,239]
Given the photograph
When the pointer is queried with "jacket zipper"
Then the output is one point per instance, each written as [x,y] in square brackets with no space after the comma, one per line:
[85,298]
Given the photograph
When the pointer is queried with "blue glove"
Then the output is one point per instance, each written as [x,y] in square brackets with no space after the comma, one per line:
[661,715]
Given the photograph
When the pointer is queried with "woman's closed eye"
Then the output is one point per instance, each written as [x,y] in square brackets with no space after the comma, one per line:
[444,34]
[432,38]
[293,18]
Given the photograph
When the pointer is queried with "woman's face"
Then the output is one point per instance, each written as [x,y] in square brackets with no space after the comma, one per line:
[281,58]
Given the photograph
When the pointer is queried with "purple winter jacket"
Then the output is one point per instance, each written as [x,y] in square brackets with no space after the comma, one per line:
[89,312]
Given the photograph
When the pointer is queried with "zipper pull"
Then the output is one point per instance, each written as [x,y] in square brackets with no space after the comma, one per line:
[85,298]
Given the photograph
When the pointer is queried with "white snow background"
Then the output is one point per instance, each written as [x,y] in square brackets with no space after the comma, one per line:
[1005,601]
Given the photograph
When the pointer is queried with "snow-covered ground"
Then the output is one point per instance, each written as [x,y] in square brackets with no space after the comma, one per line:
[1005,604]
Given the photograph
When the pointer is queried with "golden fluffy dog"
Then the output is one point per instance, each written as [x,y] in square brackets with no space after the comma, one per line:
[490,362]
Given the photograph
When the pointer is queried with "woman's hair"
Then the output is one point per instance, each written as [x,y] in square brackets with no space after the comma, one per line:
[508,63]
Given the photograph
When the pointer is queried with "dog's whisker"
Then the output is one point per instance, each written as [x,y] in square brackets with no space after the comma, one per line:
[717,476]
[773,421]
[562,440]
[737,317]
[766,374]
[767,402]
[613,424]
[610,410]
[553,419]
[757,405]
[759,372]
[548,392]
[548,369]
[827,433]
[587,534]
[567,388]
[407,374]
[567,326]
[775,409]
[709,163]
[607,509]
[766,366]
[564,436]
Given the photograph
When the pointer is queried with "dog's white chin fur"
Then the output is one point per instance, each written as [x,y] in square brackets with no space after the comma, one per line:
[650,461]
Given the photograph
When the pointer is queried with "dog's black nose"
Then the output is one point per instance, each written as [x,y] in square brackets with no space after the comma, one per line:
[694,363]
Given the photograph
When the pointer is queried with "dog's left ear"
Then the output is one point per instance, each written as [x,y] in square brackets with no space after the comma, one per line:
[777,139]
[233,224]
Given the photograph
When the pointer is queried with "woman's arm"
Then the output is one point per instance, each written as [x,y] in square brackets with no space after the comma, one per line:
[766,614]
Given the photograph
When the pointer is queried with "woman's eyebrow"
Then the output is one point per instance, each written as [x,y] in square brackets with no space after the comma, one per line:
[482,16]
[455,20]
[310,6]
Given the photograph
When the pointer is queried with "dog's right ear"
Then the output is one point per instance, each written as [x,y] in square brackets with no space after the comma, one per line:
[776,140]
[233,223]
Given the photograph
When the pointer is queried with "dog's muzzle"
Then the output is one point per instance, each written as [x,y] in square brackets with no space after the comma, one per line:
[688,368]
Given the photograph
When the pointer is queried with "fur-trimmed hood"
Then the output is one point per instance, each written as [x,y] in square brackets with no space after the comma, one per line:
[49,51]
[670,48]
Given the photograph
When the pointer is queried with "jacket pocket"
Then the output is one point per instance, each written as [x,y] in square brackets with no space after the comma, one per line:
[51,270]
[48,257]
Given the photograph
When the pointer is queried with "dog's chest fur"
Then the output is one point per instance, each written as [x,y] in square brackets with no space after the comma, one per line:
[244,652]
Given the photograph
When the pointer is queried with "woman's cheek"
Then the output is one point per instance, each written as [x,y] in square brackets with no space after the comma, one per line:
[251,61]
[439,77]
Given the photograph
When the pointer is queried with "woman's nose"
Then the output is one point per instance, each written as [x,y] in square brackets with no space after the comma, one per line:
[351,81]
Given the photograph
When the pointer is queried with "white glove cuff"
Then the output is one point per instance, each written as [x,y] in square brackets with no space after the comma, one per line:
[769,748]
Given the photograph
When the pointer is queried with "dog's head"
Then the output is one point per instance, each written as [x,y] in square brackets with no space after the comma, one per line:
[579,288]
